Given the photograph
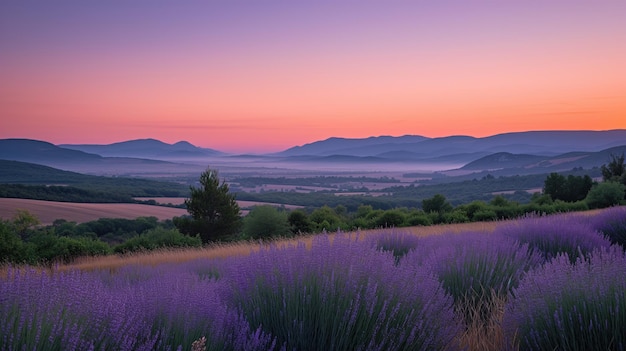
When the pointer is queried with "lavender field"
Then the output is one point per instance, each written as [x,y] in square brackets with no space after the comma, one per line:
[545,283]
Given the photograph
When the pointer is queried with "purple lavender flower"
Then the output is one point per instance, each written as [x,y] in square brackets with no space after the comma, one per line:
[339,294]
[555,234]
[473,266]
[572,307]
[611,223]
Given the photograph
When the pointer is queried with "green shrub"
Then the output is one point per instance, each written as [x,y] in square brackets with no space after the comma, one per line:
[391,218]
[264,222]
[484,215]
[605,194]
[158,238]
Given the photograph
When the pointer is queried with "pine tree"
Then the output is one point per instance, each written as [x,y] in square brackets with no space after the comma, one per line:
[214,212]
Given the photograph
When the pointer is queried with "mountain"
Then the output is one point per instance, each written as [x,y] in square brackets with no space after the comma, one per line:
[146,148]
[528,164]
[15,172]
[545,143]
[44,153]
[346,146]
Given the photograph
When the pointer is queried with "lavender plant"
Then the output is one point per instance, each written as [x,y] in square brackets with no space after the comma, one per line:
[553,235]
[612,224]
[340,295]
[136,308]
[67,311]
[474,267]
[398,243]
[572,307]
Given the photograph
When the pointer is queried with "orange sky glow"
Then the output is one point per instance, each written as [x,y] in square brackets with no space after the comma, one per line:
[238,77]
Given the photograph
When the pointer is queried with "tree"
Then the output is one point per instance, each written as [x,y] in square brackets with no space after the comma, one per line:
[571,189]
[605,194]
[554,185]
[299,222]
[264,222]
[437,203]
[614,170]
[214,212]
[577,188]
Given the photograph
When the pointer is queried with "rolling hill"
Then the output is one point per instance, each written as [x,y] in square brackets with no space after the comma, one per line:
[545,143]
[146,148]
[15,172]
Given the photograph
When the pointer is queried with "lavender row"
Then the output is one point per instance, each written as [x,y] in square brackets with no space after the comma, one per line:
[391,291]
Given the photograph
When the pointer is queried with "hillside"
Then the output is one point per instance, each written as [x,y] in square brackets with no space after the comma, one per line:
[145,148]
[15,172]
[544,143]
[526,164]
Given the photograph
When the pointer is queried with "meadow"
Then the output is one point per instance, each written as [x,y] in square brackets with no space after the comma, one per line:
[536,283]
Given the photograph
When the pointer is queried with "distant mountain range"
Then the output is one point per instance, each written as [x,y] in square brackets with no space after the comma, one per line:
[146,148]
[418,147]
[44,153]
[523,152]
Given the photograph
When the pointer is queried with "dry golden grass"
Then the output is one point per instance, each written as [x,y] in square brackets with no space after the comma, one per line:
[244,248]
[485,336]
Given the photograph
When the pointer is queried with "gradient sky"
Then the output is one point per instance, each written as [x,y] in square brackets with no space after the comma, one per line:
[259,76]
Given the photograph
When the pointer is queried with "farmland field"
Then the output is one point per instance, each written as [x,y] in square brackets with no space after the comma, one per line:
[48,211]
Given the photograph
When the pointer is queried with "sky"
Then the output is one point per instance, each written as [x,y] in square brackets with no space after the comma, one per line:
[263,76]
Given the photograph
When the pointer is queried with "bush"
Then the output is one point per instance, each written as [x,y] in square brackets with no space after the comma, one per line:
[165,307]
[419,218]
[339,296]
[556,234]
[398,243]
[299,222]
[264,222]
[11,248]
[572,307]
[484,215]
[605,194]
[474,267]
[391,218]
[158,238]
[612,224]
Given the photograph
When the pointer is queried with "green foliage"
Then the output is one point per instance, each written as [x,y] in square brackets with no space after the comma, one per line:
[62,193]
[22,221]
[299,222]
[484,215]
[391,218]
[325,218]
[571,189]
[614,170]
[11,247]
[48,248]
[264,222]
[214,212]
[606,194]
[158,238]
[455,216]
[437,203]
